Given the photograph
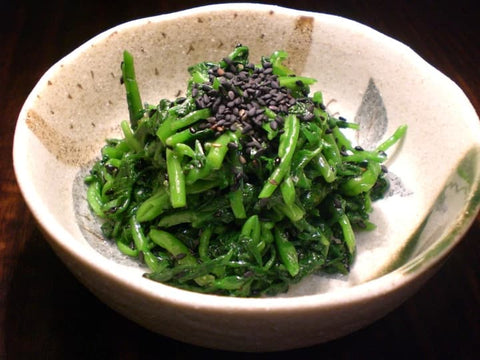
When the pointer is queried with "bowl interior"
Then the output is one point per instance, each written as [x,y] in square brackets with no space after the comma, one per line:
[364,76]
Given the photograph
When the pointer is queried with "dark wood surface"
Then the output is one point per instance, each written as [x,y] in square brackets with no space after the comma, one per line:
[45,313]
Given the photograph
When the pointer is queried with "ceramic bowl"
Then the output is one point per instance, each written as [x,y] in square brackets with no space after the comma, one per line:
[364,75]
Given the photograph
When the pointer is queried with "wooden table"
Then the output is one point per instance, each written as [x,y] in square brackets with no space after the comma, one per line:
[46,313]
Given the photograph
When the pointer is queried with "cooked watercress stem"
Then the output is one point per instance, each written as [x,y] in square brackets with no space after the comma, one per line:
[241,187]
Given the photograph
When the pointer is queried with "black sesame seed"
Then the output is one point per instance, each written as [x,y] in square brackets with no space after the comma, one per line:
[180,256]
[337,203]
[246,128]
[251,112]
[248,274]
[112,210]
[308,117]
[112,170]
[206,99]
[361,224]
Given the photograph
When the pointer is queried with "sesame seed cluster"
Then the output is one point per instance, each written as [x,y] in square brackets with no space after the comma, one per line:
[241,100]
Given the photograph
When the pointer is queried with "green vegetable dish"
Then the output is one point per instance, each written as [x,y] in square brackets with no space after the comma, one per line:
[241,187]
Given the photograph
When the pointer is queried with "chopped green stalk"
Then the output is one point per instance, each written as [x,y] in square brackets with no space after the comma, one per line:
[397,135]
[348,234]
[251,230]
[139,239]
[174,246]
[218,151]
[204,243]
[277,59]
[287,252]
[153,262]
[94,198]
[230,282]
[132,143]
[134,101]
[250,226]
[214,159]
[363,182]
[288,141]
[178,250]
[360,156]
[173,123]
[125,249]
[327,171]
[287,188]
[292,211]
[153,206]
[331,150]
[184,150]
[236,202]
[185,136]
[190,119]
[293,81]
[176,180]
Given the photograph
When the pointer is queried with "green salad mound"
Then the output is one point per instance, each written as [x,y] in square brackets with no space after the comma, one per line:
[241,187]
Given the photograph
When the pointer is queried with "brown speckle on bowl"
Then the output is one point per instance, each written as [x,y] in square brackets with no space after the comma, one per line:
[298,43]
[63,147]
[190,49]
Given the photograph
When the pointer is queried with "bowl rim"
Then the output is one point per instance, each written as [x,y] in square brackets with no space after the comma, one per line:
[61,239]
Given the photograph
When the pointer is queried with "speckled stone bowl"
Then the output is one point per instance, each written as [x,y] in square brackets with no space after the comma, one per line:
[364,75]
